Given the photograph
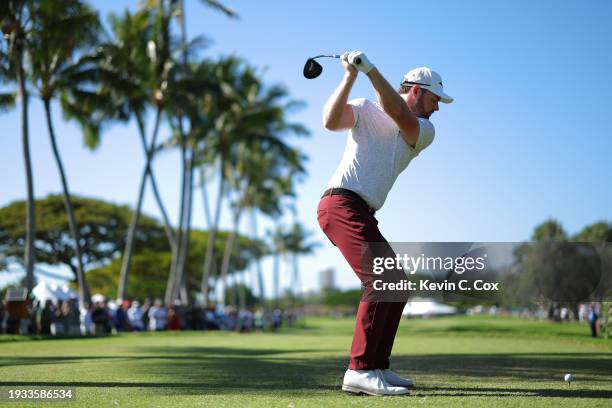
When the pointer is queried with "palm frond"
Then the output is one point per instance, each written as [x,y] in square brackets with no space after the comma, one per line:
[216,5]
[7,101]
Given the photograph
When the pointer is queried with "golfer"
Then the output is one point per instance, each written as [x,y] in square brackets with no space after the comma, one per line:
[383,137]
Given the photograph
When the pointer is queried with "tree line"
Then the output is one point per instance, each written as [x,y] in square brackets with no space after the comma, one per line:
[103,227]
[551,271]
[556,269]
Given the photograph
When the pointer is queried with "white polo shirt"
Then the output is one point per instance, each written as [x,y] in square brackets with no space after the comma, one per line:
[376,153]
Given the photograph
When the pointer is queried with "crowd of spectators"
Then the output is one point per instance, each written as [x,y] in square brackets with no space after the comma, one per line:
[65,318]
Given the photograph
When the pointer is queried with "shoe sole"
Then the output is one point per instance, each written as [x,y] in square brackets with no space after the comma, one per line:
[357,390]
[411,385]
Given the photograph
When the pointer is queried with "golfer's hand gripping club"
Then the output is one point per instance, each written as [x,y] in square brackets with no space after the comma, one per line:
[348,67]
[359,60]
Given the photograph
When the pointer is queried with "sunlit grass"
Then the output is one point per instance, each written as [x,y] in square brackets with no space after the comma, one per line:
[468,361]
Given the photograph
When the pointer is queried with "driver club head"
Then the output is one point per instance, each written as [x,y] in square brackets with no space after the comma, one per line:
[312,68]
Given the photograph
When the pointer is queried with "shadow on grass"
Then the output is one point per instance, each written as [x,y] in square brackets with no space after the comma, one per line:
[495,330]
[153,353]
[540,366]
[226,370]
[561,392]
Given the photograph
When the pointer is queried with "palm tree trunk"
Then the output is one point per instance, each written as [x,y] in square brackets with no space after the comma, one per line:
[162,209]
[206,203]
[74,230]
[183,23]
[184,253]
[242,291]
[260,278]
[205,197]
[158,200]
[174,281]
[30,236]
[179,268]
[129,245]
[212,236]
[177,279]
[253,279]
[232,293]
[287,272]
[170,294]
[183,293]
[275,278]
[296,276]
[227,253]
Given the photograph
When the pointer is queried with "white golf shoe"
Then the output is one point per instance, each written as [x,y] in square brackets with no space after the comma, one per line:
[396,380]
[369,382]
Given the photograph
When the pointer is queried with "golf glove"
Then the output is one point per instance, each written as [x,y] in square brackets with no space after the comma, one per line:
[364,65]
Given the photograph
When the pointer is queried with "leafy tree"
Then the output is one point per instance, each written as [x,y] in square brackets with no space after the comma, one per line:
[597,232]
[150,268]
[240,290]
[349,297]
[102,228]
[553,271]
[550,230]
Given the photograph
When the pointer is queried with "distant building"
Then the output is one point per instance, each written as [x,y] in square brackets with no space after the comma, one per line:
[326,280]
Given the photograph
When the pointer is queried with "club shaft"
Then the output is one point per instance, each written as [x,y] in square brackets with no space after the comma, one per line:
[327,56]
[357,60]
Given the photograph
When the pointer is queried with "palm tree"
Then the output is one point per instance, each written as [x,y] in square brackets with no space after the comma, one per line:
[130,73]
[61,30]
[14,16]
[188,118]
[7,76]
[157,73]
[248,123]
[7,99]
[267,200]
[260,182]
[176,279]
[219,126]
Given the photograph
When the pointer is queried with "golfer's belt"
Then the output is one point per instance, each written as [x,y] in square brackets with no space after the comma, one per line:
[346,192]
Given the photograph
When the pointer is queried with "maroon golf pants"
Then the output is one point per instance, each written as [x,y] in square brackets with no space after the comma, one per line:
[350,224]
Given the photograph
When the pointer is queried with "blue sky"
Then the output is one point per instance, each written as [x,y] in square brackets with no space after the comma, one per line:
[526,138]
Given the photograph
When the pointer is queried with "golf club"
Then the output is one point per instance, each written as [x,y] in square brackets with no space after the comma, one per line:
[313,69]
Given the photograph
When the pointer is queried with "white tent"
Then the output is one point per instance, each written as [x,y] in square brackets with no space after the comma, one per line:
[44,292]
[427,307]
[63,292]
[54,292]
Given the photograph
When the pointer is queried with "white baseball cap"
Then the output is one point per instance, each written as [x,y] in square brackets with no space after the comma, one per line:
[428,79]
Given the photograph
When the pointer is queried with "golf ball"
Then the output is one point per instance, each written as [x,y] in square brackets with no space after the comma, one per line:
[569,377]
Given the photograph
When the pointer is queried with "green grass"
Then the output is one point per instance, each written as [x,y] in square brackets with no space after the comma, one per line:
[455,361]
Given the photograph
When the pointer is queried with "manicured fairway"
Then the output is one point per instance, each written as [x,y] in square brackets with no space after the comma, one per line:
[458,361]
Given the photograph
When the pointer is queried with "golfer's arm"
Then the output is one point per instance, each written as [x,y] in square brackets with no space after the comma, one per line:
[337,114]
[395,107]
